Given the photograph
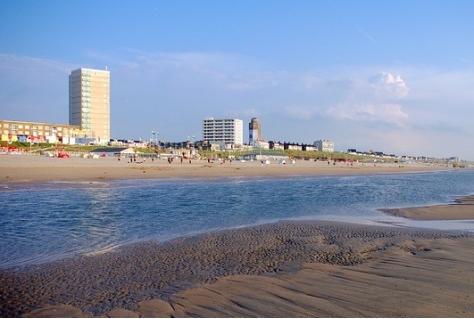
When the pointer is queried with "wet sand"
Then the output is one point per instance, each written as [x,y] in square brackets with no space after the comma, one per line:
[461,208]
[286,269]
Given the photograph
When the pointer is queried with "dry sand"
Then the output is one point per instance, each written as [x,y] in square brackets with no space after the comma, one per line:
[287,269]
[35,168]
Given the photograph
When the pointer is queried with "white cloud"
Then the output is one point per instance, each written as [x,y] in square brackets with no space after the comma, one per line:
[384,112]
[388,86]
[374,100]
[230,78]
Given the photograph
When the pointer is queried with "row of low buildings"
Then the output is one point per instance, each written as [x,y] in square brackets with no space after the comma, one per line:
[228,134]
[218,134]
[20,131]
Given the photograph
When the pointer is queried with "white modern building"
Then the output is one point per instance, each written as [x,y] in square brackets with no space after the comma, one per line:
[89,103]
[324,146]
[227,131]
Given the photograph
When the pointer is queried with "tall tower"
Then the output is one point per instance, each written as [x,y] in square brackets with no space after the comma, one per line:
[89,103]
[255,130]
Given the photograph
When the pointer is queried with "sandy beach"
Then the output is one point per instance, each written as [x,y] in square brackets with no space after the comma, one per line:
[35,168]
[285,269]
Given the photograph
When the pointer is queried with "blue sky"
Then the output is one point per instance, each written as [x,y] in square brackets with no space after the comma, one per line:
[392,76]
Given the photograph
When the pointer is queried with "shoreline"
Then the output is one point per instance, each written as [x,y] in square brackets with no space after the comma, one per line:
[282,269]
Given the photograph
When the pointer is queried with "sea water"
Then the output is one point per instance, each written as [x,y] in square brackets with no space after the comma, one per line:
[55,220]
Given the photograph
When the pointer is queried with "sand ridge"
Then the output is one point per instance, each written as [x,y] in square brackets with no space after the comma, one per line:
[300,269]
[461,209]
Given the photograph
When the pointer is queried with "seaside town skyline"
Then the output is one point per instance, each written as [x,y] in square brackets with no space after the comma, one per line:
[89,123]
[336,70]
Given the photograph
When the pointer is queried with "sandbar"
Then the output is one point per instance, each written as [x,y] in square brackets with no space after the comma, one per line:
[462,208]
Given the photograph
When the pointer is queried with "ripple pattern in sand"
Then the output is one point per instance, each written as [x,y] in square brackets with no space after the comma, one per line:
[145,271]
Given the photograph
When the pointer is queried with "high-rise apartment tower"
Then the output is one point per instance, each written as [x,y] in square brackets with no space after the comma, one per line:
[228,131]
[89,103]
[255,130]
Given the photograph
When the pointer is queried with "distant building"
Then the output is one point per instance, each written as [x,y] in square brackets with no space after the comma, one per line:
[228,131]
[276,146]
[255,130]
[310,148]
[352,151]
[261,144]
[36,132]
[324,146]
[89,103]
[293,147]
[255,135]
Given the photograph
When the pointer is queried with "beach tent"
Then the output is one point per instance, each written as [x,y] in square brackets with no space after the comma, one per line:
[114,151]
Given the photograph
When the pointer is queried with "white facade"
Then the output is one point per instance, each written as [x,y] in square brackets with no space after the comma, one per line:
[260,144]
[89,103]
[311,148]
[295,147]
[228,131]
[278,146]
[324,146]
